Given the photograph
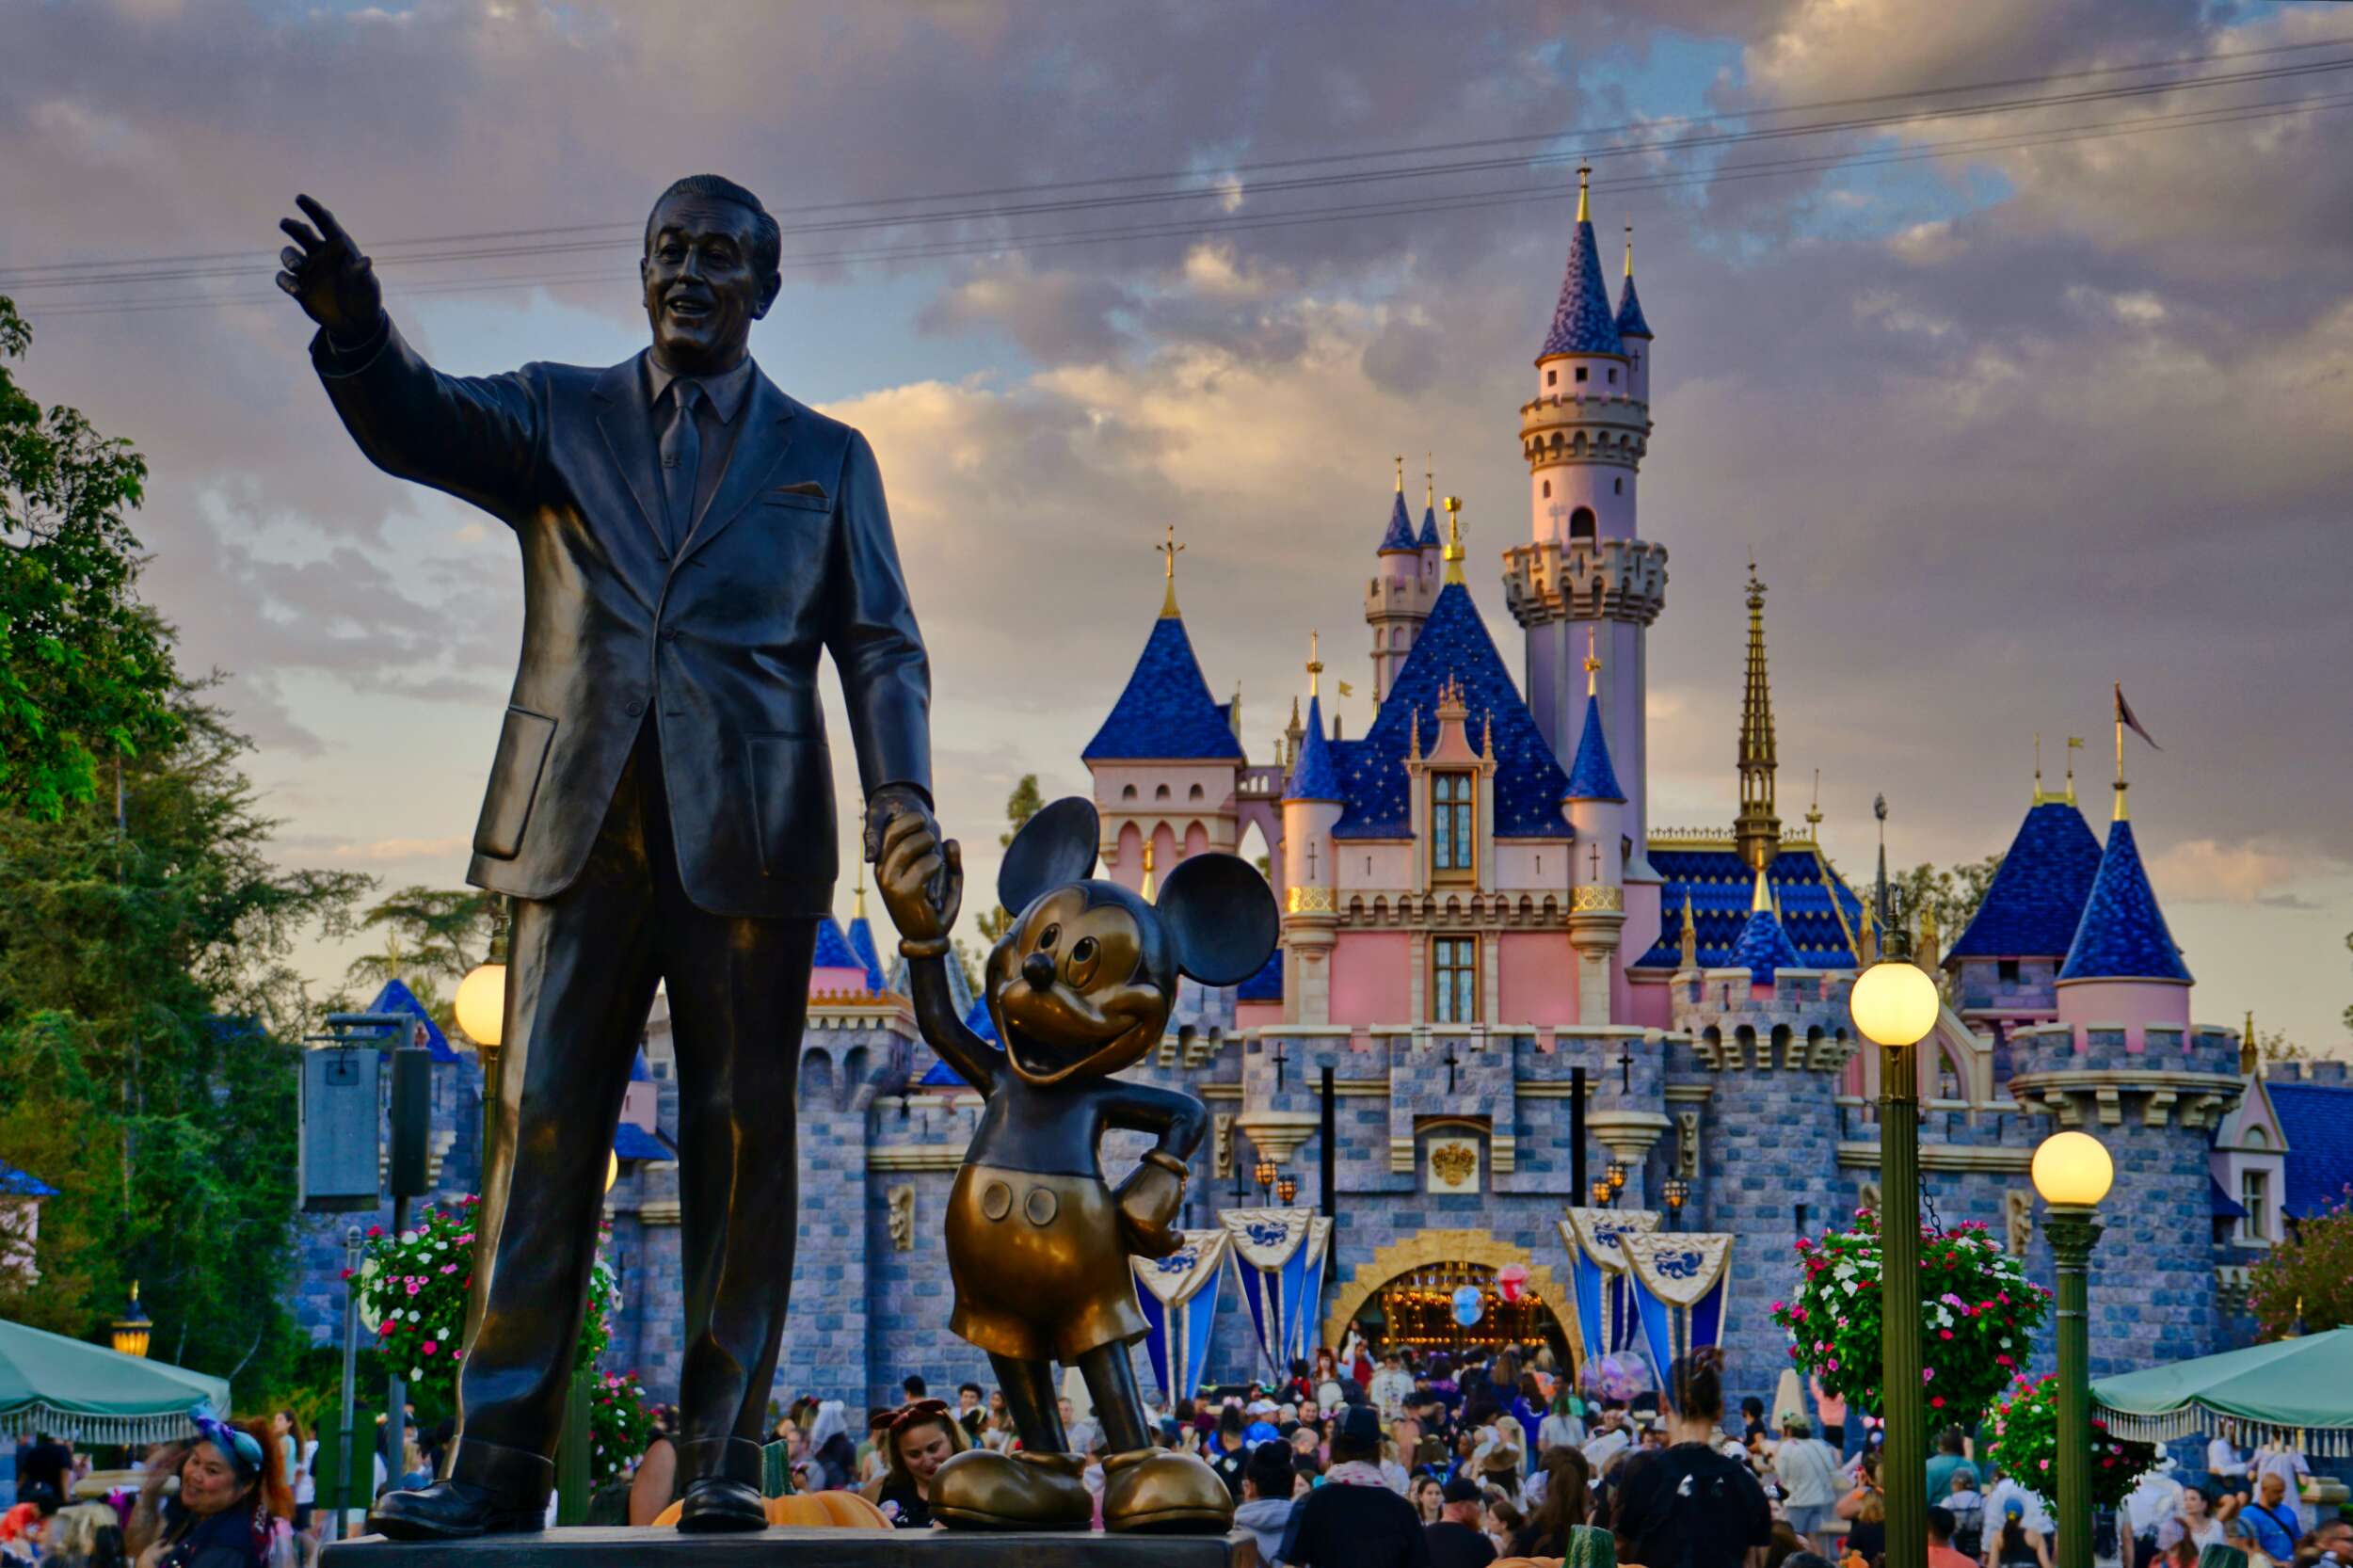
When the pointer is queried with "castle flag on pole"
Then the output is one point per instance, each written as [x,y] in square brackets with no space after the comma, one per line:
[2125,716]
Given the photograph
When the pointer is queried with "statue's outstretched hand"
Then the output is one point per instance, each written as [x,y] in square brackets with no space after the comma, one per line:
[912,861]
[328,277]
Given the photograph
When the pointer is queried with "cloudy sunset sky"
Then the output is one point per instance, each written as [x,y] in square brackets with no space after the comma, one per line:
[2013,390]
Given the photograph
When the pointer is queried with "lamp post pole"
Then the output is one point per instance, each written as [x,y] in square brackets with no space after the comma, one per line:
[2072,1229]
[1903,1470]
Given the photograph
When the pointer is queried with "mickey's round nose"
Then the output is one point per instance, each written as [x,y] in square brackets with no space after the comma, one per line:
[1038,970]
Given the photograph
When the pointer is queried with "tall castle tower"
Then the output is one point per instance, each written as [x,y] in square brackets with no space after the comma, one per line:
[1584,435]
[1405,585]
[1757,828]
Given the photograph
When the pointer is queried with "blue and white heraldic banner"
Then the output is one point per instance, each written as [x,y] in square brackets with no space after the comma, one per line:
[1600,1288]
[1278,1253]
[1682,1283]
[1178,1294]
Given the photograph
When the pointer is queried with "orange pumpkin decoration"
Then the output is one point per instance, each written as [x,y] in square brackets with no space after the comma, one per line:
[811,1510]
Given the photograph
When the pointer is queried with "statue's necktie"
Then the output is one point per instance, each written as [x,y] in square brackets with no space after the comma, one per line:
[681,459]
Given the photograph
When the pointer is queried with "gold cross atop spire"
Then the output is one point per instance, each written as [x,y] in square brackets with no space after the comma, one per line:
[1454,538]
[1584,203]
[1629,250]
[1400,472]
[1315,663]
[1814,811]
[1170,550]
[1592,662]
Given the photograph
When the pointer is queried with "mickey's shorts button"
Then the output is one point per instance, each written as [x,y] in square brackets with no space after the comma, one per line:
[1041,1206]
[996,1200]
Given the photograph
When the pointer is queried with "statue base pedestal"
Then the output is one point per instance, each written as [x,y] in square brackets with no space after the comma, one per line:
[783,1547]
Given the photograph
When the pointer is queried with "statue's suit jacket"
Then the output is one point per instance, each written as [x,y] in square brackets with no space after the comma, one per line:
[716,642]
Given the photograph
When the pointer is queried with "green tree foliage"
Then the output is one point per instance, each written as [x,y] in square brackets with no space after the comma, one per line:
[85,673]
[1952,893]
[149,1026]
[2310,1276]
[1024,803]
[433,937]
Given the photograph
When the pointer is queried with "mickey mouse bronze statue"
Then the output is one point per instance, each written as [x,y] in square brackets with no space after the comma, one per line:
[1079,987]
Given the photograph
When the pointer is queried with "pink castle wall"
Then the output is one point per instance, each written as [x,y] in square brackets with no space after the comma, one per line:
[1372,978]
[1536,971]
[2134,1003]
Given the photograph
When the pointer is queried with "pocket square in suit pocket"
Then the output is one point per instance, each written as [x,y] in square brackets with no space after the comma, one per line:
[808,493]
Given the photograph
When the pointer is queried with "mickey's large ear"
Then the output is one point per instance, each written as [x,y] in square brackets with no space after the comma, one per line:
[1054,847]
[1220,914]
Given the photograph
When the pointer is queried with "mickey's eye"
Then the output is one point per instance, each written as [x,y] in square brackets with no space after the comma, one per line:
[1084,952]
[1048,937]
[1078,969]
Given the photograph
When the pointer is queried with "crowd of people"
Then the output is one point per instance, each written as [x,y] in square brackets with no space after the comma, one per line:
[1346,1463]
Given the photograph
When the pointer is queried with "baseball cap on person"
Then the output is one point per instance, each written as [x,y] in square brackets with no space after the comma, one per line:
[1461,1489]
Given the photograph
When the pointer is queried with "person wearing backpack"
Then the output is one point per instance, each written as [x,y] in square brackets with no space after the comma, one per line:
[1688,1505]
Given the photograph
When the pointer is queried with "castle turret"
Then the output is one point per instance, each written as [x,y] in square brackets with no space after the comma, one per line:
[1397,598]
[2122,970]
[1757,829]
[1633,328]
[2006,962]
[1311,808]
[1584,435]
[1596,808]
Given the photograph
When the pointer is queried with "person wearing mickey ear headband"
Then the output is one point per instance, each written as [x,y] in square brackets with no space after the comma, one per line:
[233,1506]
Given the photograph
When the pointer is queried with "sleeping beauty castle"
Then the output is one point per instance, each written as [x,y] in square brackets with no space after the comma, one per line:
[1528,1064]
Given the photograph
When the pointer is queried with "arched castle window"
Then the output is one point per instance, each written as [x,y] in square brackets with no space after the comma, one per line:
[1161,794]
[1552,378]
[1580,372]
[1780,1047]
[1397,636]
[1193,793]
[1451,825]
[1613,376]
[1128,791]
[1617,486]
[1581,524]
[2258,1139]
[1547,489]
[816,1081]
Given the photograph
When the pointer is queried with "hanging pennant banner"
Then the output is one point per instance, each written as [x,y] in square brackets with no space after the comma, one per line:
[1600,1289]
[1270,1255]
[1681,1284]
[1178,1294]
[1308,1325]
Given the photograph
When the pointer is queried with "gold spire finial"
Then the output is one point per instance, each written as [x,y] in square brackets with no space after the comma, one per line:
[1691,958]
[1757,829]
[1813,810]
[1592,662]
[1170,549]
[1400,473]
[1584,202]
[2074,743]
[1487,737]
[2249,1052]
[1149,892]
[1629,250]
[1761,899]
[858,910]
[1315,665]
[1412,720]
[1429,479]
[2038,768]
[1454,538]
[2120,786]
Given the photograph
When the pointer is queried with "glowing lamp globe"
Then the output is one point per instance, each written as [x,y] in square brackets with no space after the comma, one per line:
[2071,1169]
[481,1004]
[1895,1003]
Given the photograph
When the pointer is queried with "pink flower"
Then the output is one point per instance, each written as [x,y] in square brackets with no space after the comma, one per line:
[1944,1333]
[1833,1364]
[374,1231]
[1928,1374]
[412,1286]
[1937,1402]
[431,1347]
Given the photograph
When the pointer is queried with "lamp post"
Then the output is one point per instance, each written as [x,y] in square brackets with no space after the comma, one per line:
[481,1008]
[1600,1192]
[132,1329]
[1615,1171]
[2073,1173]
[1678,1192]
[1265,1173]
[1895,1004]
[1286,1191]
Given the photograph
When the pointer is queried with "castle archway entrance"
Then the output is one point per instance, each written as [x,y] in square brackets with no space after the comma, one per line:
[1404,1295]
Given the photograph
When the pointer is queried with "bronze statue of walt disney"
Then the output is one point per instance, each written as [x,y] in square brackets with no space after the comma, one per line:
[1079,987]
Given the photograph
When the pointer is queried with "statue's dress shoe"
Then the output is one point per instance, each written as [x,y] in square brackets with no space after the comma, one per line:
[714,1503]
[1162,1490]
[453,1511]
[980,1489]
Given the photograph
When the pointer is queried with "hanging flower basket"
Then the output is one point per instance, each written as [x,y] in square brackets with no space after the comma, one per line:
[620,1424]
[413,1286]
[2023,1429]
[1978,1317]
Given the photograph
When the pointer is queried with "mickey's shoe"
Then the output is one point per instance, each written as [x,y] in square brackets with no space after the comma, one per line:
[983,1490]
[1161,1491]
[491,1491]
[723,1493]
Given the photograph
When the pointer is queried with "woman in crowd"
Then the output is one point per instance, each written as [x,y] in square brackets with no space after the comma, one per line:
[1501,1519]
[1806,1470]
[918,1438]
[234,1509]
[832,1454]
[1560,1526]
[297,1451]
[2193,1520]
[655,1483]
[1867,1535]
[1428,1497]
[1527,1409]
[1563,1426]
[2015,1546]
[1688,1504]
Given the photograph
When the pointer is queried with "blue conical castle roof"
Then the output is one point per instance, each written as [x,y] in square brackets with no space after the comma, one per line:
[1762,947]
[2036,900]
[1453,645]
[1590,776]
[1630,322]
[1583,323]
[1429,540]
[1313,777]
[1401,530]
[2122,933]
[1166,713]
[833,948]
[862,943]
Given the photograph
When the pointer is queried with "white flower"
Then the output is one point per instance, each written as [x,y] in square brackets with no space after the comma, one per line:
[408,1237]
[1852,1288]
[416,1374]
